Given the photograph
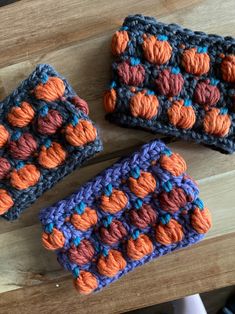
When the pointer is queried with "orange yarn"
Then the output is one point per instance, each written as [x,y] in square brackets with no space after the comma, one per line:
[142,186]
[111,264]
[144,106]
[119,42]
[24,177]
[50,91]
[110,98]
[170,233]
[82,133]
[201,220]
[86,282]
[174,163]
[21,116]
[181,116]
[52,157]
[4,135]
[113,203]
[194,62]
[216,123]
[228,68]
[54,240]
[6,202]
[137,249]
[156,51]
[85,220]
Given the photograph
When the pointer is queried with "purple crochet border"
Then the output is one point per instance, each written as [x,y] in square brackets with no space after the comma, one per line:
[55,216]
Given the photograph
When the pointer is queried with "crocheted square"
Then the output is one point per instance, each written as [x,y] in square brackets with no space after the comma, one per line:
[171,80]
[45,132]
[140,208]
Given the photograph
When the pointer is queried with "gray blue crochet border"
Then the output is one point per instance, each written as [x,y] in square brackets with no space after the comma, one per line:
[76,155]
[136,26]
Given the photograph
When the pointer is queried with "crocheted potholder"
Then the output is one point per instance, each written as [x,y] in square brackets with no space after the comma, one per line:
[45,132]
[140,208]
[173,81]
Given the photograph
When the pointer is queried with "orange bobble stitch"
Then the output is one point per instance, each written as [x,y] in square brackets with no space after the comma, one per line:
[86,282]
[144,105]
[6,201]
[4,135]
[142,184]
[194,62]
[228,69]
[111,264]
[119,42]
[82,133]
[24,177]
[113,203]
[85,220]
[54,240]
[51,155]
[140,247]
[169,232]
[201,220]
[157,51]
[21,116]
[216,122]
[181,116]
[51,90]
[173,163]
[110,98]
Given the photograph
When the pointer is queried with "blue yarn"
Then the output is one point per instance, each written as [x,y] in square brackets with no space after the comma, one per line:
[108,189]
[80,208]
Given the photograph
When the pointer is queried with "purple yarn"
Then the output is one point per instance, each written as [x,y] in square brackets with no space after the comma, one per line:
[90,193]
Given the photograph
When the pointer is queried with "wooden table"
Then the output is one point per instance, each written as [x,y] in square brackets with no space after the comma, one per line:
[74,36]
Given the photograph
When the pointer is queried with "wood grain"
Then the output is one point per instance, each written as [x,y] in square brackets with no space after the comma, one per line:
[208,265]
[74,36]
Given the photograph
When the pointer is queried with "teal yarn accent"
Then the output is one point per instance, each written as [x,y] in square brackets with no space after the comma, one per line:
[162,37]
[135,173]
[44,78]
[175,70]
[107,221]
[74,120]
[15,136]
[138,203]
[19,165]
[167,152]
[135,234]
[43,111]
[80,208]
[38,129]
[199,203]
[134,61]
[49,227]
[76,272]
[77,241]
[108,189]
[202,49]
[165,219]
[187,103]
[167,186]
[188,65]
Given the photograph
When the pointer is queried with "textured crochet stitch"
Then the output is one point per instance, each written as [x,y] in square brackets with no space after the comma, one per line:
[142,207]
[174,81]
[45,132]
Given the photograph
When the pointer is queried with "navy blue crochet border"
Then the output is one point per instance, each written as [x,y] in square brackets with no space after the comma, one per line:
[23,198]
